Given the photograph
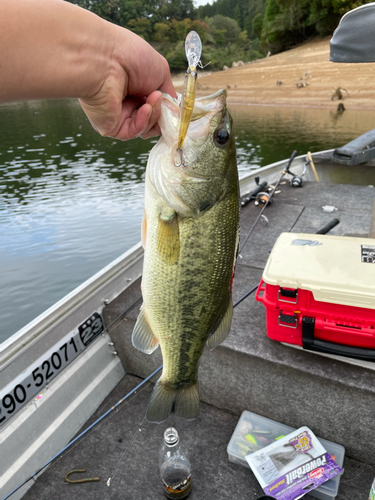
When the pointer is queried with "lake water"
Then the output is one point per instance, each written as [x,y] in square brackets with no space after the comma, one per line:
[72,201]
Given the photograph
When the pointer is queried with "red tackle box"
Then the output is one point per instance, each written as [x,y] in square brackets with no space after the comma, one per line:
[319,293]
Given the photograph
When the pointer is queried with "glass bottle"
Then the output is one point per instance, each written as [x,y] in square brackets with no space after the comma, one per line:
[175,471]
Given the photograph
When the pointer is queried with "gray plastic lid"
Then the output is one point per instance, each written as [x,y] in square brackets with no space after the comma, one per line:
[171,436]
[354,39]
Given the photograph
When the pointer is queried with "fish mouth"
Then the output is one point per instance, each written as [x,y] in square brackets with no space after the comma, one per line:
[210,103]
[172,175]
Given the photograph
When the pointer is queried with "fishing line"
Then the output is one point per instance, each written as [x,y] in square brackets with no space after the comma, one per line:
[87,431]
[106,329]
[285,171]
[139,429]
[69,445]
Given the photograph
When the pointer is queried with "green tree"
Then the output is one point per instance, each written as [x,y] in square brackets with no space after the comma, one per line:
[257,25]
[177,58]
[256,7]
[225,28]
[141,27]
[180,9]
[130,9]
[219,37]
[179,29]
[287,22]
[202,29]
[107,9]
[208,10]
[161,32]
[166,10]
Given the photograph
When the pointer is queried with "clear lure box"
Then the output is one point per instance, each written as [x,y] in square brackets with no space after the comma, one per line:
[254,432]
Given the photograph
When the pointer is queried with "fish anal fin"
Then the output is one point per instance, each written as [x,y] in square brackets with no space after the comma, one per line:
[143,337]
[223,330]
[168,238]
[144,230]
[164,400]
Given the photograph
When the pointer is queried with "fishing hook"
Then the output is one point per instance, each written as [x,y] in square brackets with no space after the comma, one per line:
[77,481]
[182,163]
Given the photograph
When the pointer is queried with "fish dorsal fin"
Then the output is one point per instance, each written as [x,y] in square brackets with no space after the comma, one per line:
[143,337]
[168,239]
[224,328]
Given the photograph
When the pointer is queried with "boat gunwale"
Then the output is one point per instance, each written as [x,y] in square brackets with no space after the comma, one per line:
[15,345]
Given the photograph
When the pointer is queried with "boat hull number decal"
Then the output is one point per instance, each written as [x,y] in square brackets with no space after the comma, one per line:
[40,373]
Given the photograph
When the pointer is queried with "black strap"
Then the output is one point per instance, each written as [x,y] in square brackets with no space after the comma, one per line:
[309,342]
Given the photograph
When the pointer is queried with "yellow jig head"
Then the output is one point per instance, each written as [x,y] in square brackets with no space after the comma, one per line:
[193,49]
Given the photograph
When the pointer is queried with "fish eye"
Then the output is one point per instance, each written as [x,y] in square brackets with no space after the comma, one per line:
[221,136]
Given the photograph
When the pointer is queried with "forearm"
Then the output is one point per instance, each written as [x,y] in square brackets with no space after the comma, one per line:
[51,48]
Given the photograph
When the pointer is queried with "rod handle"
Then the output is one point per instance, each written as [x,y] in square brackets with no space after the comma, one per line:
[331,224]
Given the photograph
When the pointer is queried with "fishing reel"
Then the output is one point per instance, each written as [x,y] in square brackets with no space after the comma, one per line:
[297,180]
[263,198]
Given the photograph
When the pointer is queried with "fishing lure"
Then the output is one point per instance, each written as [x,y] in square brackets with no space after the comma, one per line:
[193,50]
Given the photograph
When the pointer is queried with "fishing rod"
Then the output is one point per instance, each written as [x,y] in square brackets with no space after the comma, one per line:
[102,417]
[323,230]
[285,171]
[85,431]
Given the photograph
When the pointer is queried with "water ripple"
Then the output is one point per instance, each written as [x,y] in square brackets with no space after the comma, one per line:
[72,201]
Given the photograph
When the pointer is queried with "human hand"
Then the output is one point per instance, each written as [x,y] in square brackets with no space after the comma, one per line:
[128,102]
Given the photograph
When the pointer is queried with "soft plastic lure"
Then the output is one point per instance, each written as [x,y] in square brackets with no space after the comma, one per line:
[193,49]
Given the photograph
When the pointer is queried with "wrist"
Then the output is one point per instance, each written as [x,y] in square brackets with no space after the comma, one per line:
[91,56]
[51,49]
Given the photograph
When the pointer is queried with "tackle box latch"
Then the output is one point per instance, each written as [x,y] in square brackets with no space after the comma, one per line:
[288,320]
[287,292]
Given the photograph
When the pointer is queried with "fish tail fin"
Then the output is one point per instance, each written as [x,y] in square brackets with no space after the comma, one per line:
[187,401]
[161,402]
[165,400]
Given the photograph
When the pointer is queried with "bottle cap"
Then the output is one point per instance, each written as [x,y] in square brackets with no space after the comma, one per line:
[170,436]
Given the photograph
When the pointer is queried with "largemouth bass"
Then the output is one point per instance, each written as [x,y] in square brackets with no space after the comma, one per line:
[190,233]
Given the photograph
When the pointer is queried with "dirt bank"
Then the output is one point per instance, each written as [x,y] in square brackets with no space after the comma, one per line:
[256,83]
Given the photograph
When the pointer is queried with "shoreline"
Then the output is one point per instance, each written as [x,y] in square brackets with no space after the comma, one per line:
[272,81]
[310,106]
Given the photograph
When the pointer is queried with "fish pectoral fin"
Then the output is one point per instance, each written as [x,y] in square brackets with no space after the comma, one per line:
[224,328]
[168,238]
[143,337]
[144,230]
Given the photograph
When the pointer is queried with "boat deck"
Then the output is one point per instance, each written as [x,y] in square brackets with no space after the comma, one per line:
[247,372]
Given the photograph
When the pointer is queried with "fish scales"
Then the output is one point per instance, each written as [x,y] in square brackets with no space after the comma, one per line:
[193,298]
[188,266]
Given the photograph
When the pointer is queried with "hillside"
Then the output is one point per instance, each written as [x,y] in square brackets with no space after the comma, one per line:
[255,83]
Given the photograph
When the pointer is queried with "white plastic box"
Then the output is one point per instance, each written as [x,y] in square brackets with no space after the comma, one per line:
[239,446]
